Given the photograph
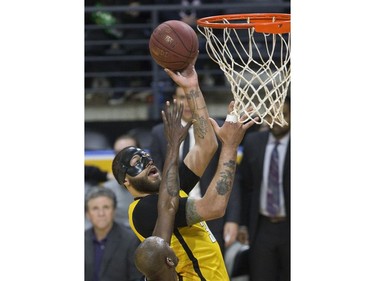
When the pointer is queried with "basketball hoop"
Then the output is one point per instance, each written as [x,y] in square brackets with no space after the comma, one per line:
[253,51]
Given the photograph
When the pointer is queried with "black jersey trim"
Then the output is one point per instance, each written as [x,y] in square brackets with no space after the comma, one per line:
[189,253]
[187,178]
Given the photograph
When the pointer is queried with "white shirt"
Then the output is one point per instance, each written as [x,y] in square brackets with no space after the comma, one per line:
[196,191]
[281,148]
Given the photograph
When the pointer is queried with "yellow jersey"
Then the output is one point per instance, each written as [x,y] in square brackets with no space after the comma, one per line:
[195,246]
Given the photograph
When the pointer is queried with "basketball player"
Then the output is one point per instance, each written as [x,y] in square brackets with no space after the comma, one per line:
[154,257]
[196,248]
[224,229]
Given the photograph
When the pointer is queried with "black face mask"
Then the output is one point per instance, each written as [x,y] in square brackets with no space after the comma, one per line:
[139,166]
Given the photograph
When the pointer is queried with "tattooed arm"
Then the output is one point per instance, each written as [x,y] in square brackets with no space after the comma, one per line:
[206,144]
[154,257]
[214,202]
[168,200]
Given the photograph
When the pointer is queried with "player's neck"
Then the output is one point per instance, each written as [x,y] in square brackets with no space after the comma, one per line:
[137,194]
[169,278]
[166,274]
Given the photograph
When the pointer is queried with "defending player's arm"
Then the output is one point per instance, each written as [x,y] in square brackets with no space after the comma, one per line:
[168,200]
[214,202]
[206,144]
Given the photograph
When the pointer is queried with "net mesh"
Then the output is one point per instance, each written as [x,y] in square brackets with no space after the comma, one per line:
[257,67]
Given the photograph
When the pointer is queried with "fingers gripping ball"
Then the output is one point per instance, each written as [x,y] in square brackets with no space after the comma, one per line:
[173,44]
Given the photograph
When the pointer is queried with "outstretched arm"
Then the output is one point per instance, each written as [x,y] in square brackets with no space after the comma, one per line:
[168,200]
[214,202]
[206,144]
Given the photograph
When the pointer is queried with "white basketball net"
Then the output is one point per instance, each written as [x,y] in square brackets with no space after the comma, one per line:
[258,71]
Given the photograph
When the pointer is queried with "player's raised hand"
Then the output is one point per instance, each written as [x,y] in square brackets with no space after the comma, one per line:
[232,132]
[174,131]
[187,77]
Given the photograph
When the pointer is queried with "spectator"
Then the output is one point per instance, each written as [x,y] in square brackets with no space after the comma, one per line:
[268,225]
[125,140]
[94,176]
[224,229]
[109,247]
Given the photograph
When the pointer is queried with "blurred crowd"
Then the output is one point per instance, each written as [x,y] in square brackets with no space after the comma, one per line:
[118,67]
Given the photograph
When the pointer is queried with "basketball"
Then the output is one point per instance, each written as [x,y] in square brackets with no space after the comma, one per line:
[173,44]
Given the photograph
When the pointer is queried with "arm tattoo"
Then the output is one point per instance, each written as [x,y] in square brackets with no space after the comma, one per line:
[191,212]
[172,182]
[224,184]
[193,95]
[201,126]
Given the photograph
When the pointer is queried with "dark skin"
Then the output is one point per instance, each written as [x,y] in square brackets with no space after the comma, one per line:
[162,265]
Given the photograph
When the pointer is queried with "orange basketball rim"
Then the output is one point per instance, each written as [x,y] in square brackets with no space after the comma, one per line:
[267,23]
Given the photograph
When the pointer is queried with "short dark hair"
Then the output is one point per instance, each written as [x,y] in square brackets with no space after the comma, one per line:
[97,191]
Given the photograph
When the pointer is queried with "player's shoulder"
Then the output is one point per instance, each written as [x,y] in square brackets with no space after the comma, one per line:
[145,203]
[143,213]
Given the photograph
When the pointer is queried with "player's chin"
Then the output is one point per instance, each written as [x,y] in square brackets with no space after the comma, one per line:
[153,185]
